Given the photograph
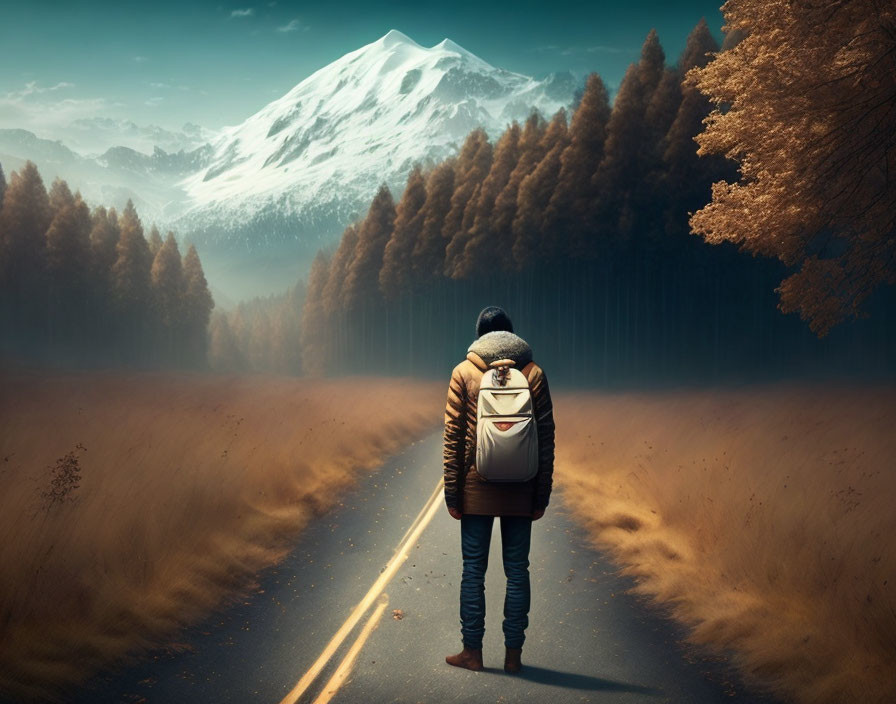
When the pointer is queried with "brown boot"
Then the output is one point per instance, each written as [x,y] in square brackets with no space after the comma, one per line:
[512,660]
[470,658]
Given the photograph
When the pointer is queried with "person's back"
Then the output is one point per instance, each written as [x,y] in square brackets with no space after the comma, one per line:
[476,502]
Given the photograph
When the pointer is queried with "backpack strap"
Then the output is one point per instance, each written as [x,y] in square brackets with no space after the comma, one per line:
[527,370]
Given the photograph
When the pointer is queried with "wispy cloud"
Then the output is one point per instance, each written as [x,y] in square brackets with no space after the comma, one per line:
[31,88]
[42,110]
[159,85]
[153,101]
[603,49]
[243,12]
[140,59]
[293,26]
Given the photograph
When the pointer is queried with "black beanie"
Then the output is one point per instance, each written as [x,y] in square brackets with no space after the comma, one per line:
[492,318]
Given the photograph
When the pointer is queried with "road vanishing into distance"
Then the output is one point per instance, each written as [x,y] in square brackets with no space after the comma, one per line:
[366,607]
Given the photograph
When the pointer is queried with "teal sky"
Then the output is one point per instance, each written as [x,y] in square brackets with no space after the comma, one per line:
[216,63]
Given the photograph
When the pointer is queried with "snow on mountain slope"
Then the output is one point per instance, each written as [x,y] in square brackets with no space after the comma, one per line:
[312,159]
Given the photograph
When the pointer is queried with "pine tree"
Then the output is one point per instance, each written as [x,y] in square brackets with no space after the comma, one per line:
[168,296]
[530,154]
[24,220]
[155,241]
[131,270]
[333,292]
[481,248]
[362,277]
[428,256]
[575,197]
[198,304]
[68,267]
[629,147]
[532,238]
[472,167]
[104,236]
[394,277]
[689,177]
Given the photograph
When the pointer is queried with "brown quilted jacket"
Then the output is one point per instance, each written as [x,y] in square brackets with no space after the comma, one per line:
[464,488]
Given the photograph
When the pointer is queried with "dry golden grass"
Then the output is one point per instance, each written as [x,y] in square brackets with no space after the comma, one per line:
[764,519]
[189,485]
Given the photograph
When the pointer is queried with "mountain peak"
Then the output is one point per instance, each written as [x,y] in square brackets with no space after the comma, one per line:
[393,37]
[449,45]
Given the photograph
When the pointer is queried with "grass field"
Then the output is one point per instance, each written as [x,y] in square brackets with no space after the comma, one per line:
[764,519]
[189,484]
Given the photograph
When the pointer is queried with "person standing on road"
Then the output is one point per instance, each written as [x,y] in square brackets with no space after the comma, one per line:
[475,501]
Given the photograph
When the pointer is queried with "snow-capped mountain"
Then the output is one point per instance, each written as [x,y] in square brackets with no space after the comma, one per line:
[308,162]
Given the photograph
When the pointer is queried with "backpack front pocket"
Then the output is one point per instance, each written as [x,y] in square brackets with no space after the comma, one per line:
[507,450]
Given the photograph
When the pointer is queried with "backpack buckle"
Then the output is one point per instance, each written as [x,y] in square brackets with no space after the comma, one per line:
[502,370]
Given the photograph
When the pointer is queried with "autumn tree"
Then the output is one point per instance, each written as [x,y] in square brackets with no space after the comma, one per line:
[168,295]
[532,237]
[394,277]
[104,235]
[482,243]
[628,147]
[688,176]
[362,277]
[67,264]
[68,241]
[428,256]
[197,306]
[575,194]
[24,220]
[131,284]
[815,144]
[473,164]
[531,152]
[333,292]
[155,240]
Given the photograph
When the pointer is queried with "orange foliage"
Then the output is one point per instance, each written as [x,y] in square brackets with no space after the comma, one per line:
[805,101]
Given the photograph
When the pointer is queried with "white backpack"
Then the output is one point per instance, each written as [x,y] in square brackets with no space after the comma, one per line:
[506,436]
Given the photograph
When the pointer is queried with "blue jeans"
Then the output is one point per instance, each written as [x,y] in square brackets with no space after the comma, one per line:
[475,538]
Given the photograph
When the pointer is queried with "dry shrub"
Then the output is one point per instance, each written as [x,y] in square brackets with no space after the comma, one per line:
[192,483]
[762,518]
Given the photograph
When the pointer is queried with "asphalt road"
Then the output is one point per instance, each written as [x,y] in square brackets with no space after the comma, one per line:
[365,609]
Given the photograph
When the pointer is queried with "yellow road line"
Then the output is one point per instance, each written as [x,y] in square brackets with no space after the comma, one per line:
[401,554]
[432,497]
[346,665]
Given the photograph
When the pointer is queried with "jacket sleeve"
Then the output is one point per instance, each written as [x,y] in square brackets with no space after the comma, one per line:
[455,437]
[544,420]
